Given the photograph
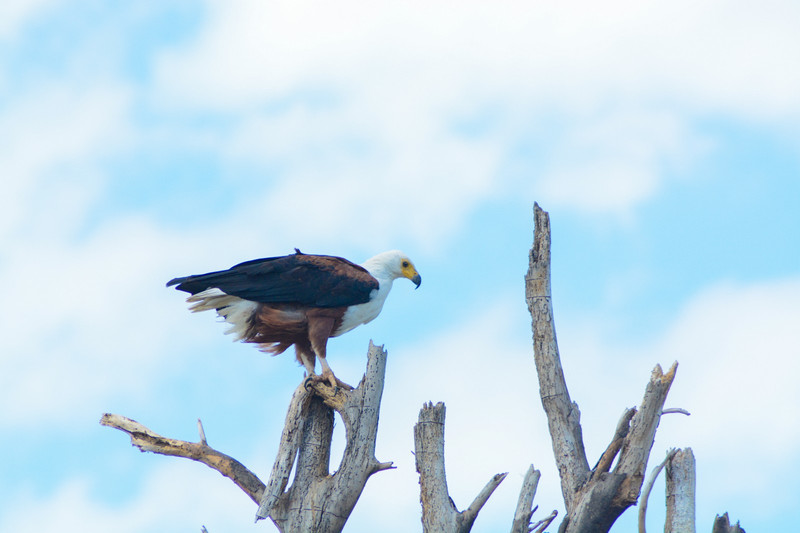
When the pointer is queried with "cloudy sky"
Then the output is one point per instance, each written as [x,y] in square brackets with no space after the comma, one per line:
[140,141]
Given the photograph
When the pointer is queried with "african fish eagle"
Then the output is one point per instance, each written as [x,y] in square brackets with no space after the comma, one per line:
[298,299]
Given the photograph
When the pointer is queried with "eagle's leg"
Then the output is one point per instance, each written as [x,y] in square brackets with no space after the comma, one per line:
[308,362]
[319,330]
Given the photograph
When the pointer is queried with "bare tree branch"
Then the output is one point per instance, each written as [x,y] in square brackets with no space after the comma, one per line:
[604,463]
[308,431]
[594,499]
[439,513]
[541,525]
[563,415]
[648,486]
[681,484]
[675,410]
[150,441]
[469,514]
[202,432]
[722,524]
[316,501]
[524,512]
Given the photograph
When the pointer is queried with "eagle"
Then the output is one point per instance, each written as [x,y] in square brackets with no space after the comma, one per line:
[298,299]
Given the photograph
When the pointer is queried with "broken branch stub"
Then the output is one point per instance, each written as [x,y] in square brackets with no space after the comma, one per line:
[439,513]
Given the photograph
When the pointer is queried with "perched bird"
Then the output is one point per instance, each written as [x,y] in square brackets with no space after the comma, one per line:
[298,299]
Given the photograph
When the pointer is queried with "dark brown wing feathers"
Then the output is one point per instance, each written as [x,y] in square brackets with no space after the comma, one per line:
[309,280]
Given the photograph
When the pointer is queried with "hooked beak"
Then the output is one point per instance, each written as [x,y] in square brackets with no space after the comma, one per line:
[416,280]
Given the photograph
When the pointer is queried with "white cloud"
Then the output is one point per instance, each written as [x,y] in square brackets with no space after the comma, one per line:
[175,496]
[393,78]
[15,13]
[87,322]
[51,143]
[616,161]
[738,346]
[717,54]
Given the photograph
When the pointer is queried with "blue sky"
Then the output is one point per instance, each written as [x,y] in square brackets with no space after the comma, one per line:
[143,141]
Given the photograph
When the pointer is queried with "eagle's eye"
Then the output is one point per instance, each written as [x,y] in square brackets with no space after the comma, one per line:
[405,264]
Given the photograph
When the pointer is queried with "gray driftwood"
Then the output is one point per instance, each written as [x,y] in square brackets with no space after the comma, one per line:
[439,513]
[594,497]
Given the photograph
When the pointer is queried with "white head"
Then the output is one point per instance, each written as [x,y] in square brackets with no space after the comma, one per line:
[392,265]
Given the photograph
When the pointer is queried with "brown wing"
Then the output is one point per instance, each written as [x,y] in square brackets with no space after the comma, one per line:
[312,280]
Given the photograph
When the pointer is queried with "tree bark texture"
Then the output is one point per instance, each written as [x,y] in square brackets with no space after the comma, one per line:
[681,484]
[439,513]
[594,498]
[722,524]
[524,512]
[648,486]
[149,441]
[316,501]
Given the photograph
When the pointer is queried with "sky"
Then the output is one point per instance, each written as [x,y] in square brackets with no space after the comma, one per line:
[140,141]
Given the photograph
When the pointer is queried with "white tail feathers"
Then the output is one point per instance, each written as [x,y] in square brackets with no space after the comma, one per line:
[232,309]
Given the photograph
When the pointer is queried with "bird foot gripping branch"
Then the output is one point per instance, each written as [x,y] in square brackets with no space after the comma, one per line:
[335,383]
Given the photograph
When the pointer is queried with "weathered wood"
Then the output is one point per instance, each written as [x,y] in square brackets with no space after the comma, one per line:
[542,524]
[722,524]
[594,498]
[648,486]
[149,441]
[681,484]
[287,450]
[623,427]
[524,512]
[318,501]
[563,415]
[439,513]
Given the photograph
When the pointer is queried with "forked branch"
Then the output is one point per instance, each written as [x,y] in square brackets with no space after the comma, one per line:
[317,500]
[330,498]
[593,498]
[439,513]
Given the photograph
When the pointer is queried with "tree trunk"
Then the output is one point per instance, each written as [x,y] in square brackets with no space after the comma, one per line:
[681,484]
[594,498]
[316,501]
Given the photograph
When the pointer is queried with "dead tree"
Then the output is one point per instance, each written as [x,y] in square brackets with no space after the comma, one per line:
[594,497]
[723,525]
[316,500]
[322,502]
[439,513]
